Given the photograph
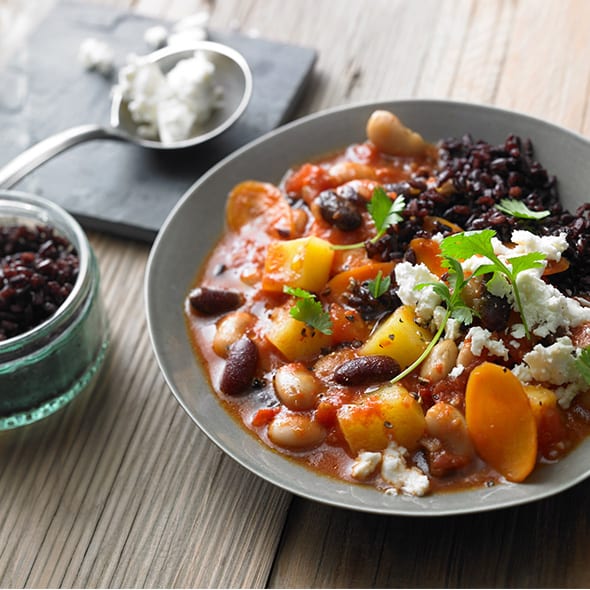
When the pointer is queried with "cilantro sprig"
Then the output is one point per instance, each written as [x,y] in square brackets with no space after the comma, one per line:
[309,310]
[583,364]
[479,243]
[383,211]
[379,285]
[520,210]
[455,308]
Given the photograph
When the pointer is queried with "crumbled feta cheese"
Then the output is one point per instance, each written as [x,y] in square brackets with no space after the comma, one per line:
[408,276]
[365,465]
[545,307]
[155,37]
[456,371]
[96,55]
[524,242]
[395,471]
[481,338]
[518,331]
[190,29]
[452,327]
[169,106]
[553,365]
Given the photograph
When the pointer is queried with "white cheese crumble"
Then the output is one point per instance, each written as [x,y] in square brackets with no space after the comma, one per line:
[97,55]
[365,465]
[456,371]
[545,307]
[408,276]
[155,37]
[553,365]
[481,338]
[169,106]
[404,479]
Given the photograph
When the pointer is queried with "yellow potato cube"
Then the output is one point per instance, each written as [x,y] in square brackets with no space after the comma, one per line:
[294,339]
[390,413]
[399,337]
[540,399]
[303,263]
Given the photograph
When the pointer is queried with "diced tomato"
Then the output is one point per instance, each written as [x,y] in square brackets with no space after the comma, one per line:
[552,434]
[313,178]
[264,416]
[326,412]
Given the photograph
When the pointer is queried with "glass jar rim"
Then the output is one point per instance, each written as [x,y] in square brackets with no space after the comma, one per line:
[23,205]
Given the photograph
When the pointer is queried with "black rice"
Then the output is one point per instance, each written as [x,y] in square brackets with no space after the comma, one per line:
[470,180]
[38,270]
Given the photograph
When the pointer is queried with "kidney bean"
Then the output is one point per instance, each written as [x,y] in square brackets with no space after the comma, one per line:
[366,369]
[339,210]
[240,367]
[213,301]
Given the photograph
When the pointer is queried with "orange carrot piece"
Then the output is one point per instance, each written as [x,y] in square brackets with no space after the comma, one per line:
[554,267]
[428,253]
[338,284]
[500,421]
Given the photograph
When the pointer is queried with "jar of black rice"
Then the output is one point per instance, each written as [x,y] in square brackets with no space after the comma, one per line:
[53,329]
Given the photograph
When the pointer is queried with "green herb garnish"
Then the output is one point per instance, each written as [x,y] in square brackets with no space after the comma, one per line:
[519,209]
[383,211]
[455,308]
[309,310]
[379,285]
[479,243]
[583,364]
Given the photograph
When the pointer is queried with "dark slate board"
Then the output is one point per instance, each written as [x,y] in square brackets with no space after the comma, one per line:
[111,186]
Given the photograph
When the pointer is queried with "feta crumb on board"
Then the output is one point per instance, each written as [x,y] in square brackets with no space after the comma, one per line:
[156,37]
[97,55]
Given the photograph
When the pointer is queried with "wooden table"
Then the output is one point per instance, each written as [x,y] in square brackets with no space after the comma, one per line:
[122,490]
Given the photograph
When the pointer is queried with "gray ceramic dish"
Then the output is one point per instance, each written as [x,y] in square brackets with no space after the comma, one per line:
[197,222]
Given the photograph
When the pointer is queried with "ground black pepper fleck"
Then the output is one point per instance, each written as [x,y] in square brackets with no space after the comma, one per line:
[38,270]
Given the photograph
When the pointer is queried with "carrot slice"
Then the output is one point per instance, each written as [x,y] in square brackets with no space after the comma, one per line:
[339,284]
[428,253]
[500,421]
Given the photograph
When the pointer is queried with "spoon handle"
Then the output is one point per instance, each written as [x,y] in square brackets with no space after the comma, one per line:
[39,153]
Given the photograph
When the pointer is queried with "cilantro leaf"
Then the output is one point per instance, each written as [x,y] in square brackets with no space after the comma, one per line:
[519,209]
[583,364]
[298,292]
[379,285]
[467,244]
[309,310]
[383,211]
[479,243]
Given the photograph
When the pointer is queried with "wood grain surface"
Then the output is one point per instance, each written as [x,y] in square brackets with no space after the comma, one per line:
[122,490]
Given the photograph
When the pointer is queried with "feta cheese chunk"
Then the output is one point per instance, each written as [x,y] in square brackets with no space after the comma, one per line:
[481,338]
[404,479]
[408,276]
[365,465]
[170,106]
[96,55]
[554,365]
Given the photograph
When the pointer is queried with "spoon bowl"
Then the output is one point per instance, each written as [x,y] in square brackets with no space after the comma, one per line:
[232,74]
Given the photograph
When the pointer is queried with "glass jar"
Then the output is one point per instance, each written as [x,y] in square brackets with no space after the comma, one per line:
[44,368]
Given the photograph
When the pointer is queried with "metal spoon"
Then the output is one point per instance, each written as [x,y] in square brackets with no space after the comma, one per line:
[231,73]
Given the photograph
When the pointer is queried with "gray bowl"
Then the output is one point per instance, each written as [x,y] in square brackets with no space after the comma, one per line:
[196,223]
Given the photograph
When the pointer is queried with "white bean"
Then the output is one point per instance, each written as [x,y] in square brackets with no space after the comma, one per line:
[440,361]
[446,423]
[295,431]
[391,136]
[230,329]
[346,171]
[297,387]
